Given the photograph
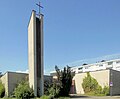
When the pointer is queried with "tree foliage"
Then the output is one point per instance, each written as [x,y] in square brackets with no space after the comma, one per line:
[54,90]
[46,87]
[90,84]
[23,90]
[51,89]
[2,90]
[65,80]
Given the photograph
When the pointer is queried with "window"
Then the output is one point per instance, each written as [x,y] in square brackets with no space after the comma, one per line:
[86,67]
[110,63]
[79,71]
[118,67]
[118,62]
[100,65]
[80,68]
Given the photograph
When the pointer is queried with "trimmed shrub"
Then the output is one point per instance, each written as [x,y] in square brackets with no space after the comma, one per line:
[23,90]
[2,90]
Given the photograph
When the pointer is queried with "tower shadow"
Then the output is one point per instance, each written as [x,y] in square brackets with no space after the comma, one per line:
[78,96]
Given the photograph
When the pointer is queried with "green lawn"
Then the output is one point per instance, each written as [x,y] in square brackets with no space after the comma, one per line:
[8,98]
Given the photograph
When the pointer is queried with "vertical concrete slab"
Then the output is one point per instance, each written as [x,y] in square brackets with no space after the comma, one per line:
[35,54]
[32,52]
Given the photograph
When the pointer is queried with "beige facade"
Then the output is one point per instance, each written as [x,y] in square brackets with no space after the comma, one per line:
[4,80]
[10,81]
[98,75]
[104,77]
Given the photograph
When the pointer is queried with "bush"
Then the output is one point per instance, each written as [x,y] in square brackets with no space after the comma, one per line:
[2,90]
[105,90]
[46,87]
[23,90]
[48,83]
[51,88]
[54,90]
[45,97]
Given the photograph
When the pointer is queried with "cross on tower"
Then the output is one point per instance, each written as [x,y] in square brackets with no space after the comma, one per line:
[39,5]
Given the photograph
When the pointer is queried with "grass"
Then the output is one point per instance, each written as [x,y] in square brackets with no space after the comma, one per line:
[8,98]
[92,94]
[64,98]
[43,97]
[48,97]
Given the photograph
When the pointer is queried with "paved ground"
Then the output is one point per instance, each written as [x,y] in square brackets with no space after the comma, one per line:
[95,97]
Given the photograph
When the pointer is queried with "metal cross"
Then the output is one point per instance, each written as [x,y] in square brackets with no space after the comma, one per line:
[39,5]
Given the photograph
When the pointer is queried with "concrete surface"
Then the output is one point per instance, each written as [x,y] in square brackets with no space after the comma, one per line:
[95,97]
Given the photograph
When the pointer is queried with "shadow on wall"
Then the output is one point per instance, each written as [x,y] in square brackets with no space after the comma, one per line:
[73,88]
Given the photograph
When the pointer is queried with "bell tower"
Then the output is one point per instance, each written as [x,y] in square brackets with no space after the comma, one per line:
[35,53]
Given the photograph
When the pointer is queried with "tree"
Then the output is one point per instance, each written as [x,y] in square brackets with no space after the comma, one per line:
[90,85]
[65,79]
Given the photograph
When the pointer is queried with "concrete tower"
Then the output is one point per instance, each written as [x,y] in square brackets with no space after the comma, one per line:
[35,53]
